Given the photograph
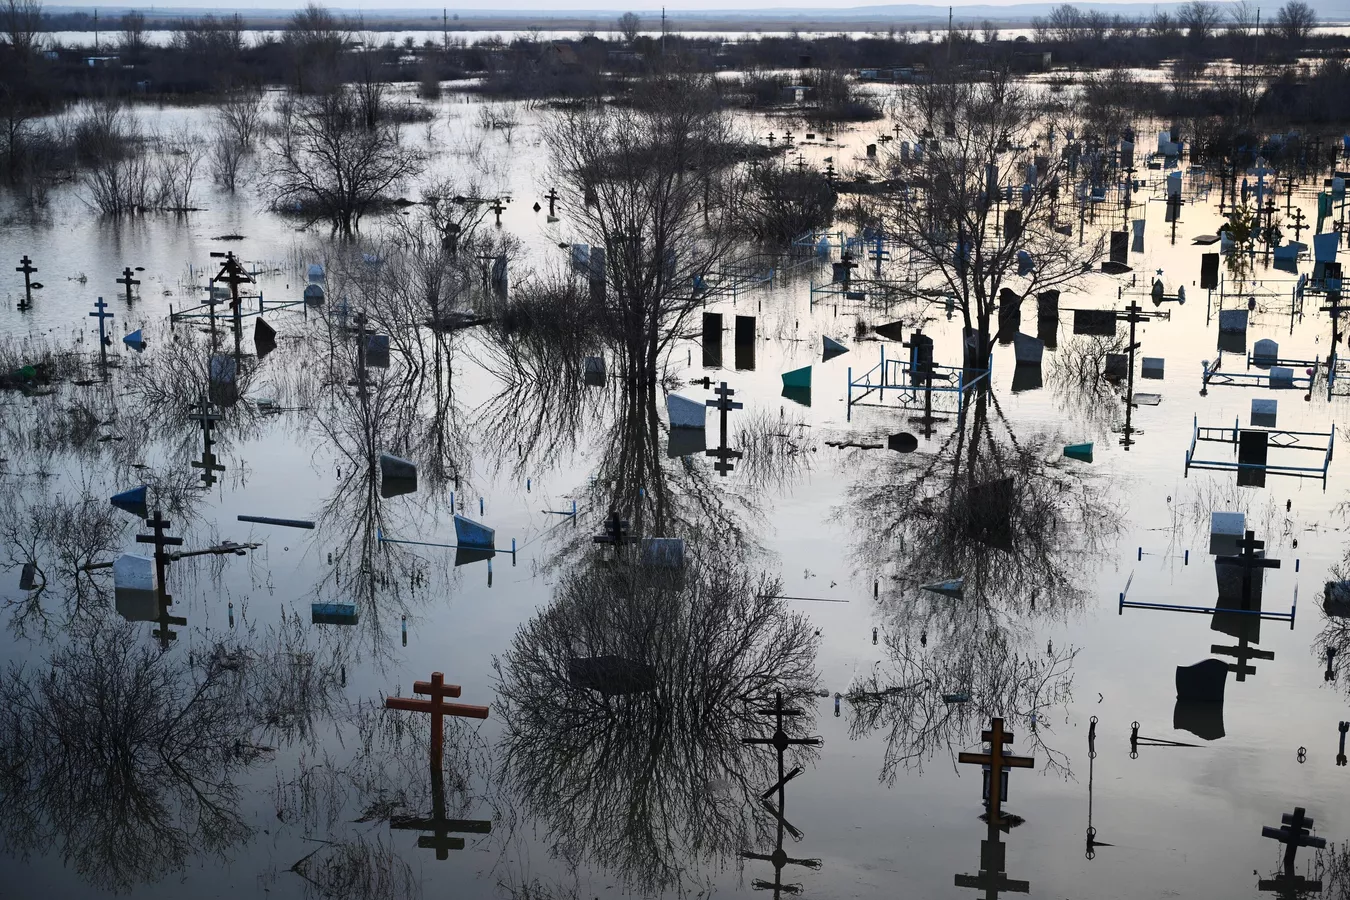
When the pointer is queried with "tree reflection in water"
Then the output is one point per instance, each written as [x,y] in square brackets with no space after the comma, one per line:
[121,758]
[1022,528]
[651,784]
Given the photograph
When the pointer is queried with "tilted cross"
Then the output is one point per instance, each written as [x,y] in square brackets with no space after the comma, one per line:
[552,198]
[1295,832]
[127,281]
[437,690]
[996,760]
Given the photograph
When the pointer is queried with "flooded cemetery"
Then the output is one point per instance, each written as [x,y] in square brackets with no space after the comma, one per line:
[407,495]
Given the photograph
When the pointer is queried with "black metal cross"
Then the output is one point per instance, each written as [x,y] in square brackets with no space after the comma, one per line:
[723,404]
[1249,561]
[498,208]
[28,284]
[160,540]
[780,742]
[616,531]
[232,272]
[102,314]
[552,198]
[127,281]
[1295,832]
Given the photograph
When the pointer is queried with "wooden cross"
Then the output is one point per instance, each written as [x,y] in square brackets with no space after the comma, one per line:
[437,690]
[996,760]
[160,540]
[27,269]
[552,198]
[127,281]
[437,823]
[1295,832]
[1249,561]
[102,314]
[993,876]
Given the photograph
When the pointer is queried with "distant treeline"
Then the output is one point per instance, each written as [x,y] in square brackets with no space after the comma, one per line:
[209,56]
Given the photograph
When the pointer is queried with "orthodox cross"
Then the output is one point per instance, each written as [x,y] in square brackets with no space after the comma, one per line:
[1293,833]
[27,269]
[616,531]
[160,540]
[993,876]
[127,281]
[552,198]
[996,760]
[1249,561]
[437,690]
[101,313]
[724,404]
[498,208]
[779,858]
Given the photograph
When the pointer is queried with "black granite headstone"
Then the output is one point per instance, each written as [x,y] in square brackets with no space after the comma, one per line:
[1203,682]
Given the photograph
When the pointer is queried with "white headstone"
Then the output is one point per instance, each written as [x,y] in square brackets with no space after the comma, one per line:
[686,413]
[136,573]
[1225,529]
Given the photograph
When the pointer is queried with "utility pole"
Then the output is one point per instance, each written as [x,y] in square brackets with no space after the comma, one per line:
[949,35]
[663,31]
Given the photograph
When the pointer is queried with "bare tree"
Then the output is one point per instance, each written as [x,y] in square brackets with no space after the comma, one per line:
[1066,22]
[22,24]
[327,164]
[989,32]
[629,25]
[1200,19]
[946,219]
[1242,18]
[1161,24]
[646,183]
[133,33]
[1295,21]
[316,38]
[627,698]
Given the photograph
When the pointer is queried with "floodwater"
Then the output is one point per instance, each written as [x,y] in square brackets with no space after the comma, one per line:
[252,756]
